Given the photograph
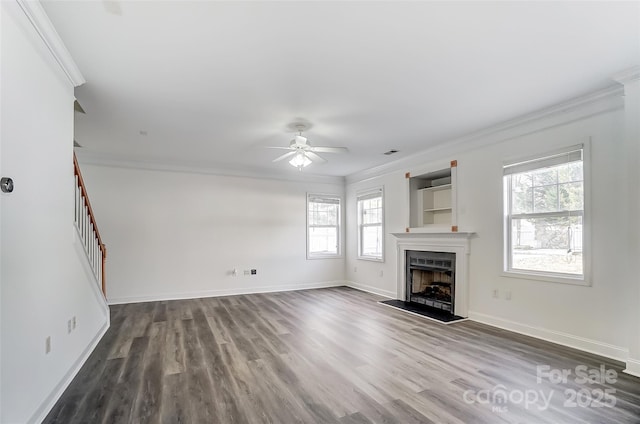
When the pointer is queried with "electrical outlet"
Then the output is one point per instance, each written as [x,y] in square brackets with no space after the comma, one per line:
[254,272]
[496,294]
[381,273]
[47,345]
[507,295]
[73,323]
[234,272]
[69,327]
[355,269]
[247,272]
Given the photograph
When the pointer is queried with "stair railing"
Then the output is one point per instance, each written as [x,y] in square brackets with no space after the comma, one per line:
[88,229]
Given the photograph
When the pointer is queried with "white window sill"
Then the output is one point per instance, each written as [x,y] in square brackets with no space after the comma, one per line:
[323,256]
[370,258]
[577,281]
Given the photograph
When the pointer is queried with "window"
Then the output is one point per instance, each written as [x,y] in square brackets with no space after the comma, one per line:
[323,226]
[544,216]
[371,225]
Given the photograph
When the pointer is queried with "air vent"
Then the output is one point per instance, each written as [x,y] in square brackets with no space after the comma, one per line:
[390,152]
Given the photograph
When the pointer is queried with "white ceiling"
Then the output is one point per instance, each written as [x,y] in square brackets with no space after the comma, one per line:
[211,83]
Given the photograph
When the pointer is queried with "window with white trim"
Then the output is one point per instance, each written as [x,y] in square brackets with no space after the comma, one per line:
[545,215]
[370,206]
[323,226]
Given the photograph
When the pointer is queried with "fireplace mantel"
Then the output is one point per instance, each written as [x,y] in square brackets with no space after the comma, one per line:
[458,243]
[434,235]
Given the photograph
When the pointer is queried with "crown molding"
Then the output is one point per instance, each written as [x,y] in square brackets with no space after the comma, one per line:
[47,32]
[595,103]
[116,161]
[628,75]
[592,104]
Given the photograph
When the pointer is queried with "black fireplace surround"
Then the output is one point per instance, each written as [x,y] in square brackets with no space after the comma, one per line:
[430,280]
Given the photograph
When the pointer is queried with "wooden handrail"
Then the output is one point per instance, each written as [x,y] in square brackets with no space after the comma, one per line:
[76,170]
[87,203]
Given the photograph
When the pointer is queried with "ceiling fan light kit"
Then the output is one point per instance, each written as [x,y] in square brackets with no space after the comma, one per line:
[303,153]
[300,160]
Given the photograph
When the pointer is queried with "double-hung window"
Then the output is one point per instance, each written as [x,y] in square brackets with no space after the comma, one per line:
[545,216]
[370,206]
[323,226]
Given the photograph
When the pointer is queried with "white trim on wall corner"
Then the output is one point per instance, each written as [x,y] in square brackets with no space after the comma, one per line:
[45,29]
[48,404]
[628,75]
[633,367]
[370,289]
[224,292]
[587,345]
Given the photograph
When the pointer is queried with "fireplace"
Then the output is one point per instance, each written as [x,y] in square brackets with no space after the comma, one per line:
[453,247]
[430,279]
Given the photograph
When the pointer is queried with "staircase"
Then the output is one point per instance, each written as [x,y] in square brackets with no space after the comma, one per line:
[85,222]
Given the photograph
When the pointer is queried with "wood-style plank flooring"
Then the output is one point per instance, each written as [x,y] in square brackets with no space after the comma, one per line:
[327,356]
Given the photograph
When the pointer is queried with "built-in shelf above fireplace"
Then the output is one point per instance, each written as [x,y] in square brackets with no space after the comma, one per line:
[432,197]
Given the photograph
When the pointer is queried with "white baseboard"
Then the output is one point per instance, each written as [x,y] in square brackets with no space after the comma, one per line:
[45,407]
[48,404]
[370,289]
[592,346]
[223,292]
[633,367]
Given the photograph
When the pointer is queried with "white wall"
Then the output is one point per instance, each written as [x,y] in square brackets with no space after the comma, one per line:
[631,81]
[44,280]
[592,318]
[179,235]
[376,277]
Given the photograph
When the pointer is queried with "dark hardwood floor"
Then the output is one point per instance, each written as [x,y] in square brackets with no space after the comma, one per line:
[329,356]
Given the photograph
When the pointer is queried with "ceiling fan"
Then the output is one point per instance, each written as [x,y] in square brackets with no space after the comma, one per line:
[302,153]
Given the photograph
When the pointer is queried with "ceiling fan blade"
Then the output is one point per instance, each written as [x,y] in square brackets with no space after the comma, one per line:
[277,147]
[314,157]
[286,155]
[320,149]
